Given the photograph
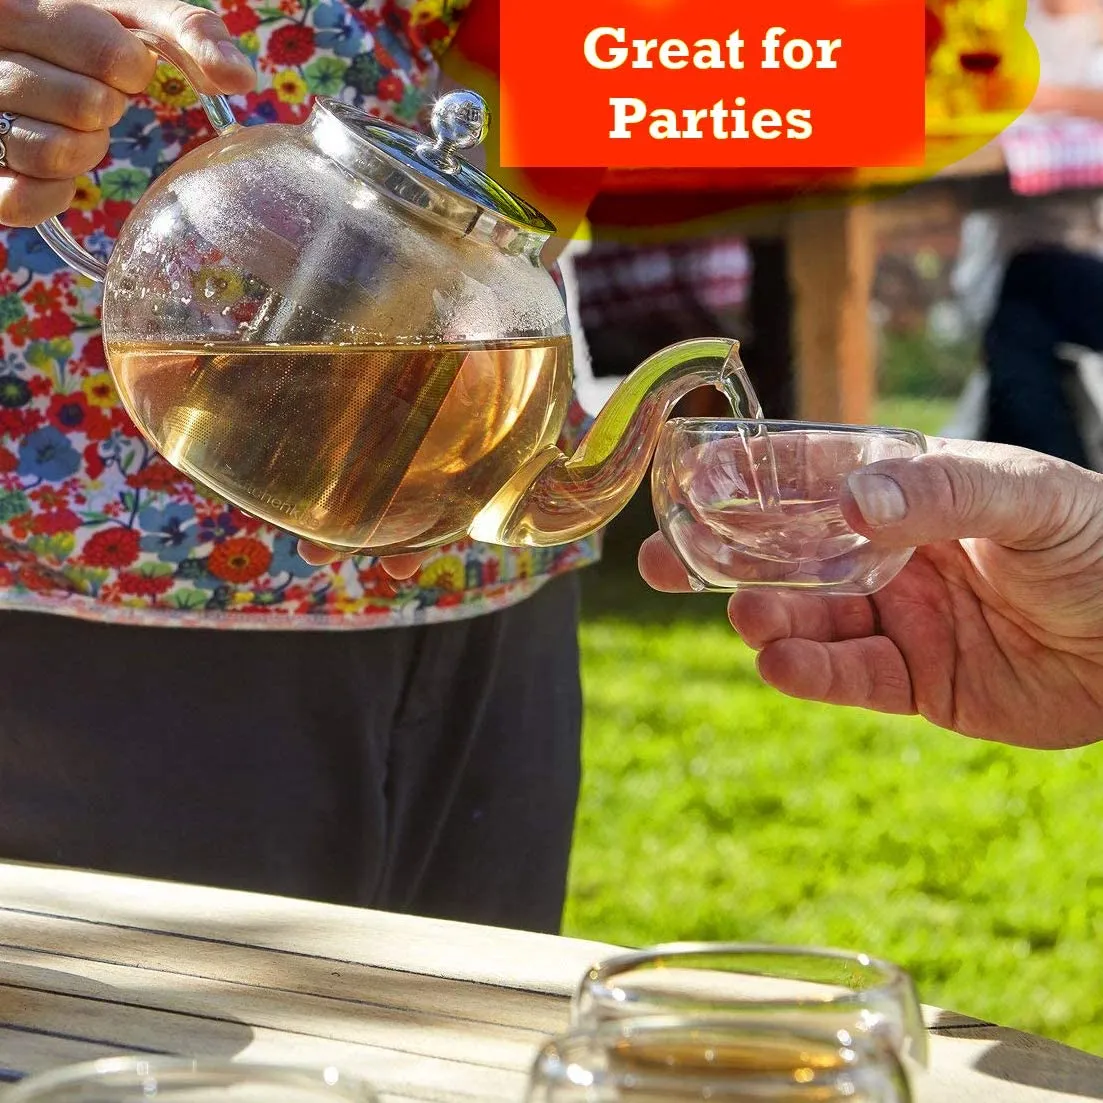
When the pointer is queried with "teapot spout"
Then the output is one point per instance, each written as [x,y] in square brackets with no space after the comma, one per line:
[555,500]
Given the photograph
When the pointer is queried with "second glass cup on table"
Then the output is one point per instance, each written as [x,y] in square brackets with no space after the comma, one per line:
[792,987]
[666,1059]
[747,503]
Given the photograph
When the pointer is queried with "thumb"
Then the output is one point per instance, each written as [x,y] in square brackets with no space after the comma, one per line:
[966,490]
[194,39]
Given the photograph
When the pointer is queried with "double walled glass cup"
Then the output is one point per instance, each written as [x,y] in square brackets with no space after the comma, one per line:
[179,1080]
[671,1059]
[797,987]
[758,503]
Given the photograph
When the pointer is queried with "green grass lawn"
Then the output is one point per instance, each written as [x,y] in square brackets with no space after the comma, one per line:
[928,415]
[715,808]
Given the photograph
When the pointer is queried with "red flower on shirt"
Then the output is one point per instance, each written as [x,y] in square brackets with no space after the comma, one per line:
[132,582]
[156,476]
[93,461]
[20,333]
[39,579]
[55,324]
[241,19]
[112,547]
[44,297]
[20,423]
[93,355]
[292,45]
[71,413]
[8,461]
[55,521]
[389,87]
[240,559]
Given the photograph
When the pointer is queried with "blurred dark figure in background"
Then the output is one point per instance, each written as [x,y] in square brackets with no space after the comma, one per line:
[1032,273]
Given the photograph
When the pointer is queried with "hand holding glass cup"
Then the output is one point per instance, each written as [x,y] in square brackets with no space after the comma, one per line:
[795,987]
[746,503]
[664,1059]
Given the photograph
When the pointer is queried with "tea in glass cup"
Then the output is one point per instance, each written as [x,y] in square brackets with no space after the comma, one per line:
[750,503]
[668,1059]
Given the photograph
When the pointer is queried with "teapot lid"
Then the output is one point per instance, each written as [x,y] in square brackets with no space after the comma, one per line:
[433,177]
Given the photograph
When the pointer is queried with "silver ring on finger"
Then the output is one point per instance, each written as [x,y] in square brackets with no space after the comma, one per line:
[6,120]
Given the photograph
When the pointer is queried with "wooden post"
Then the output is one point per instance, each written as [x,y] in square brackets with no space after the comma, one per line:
[831,266]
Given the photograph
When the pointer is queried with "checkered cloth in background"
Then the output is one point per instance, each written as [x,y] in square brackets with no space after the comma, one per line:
[1053,153]
[619,284]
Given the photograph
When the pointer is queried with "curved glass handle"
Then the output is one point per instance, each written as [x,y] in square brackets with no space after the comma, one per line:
[221,116]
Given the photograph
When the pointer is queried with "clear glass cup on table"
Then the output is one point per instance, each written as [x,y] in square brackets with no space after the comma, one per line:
[822,989]
[668,1058]
[181,1080]
[746,503]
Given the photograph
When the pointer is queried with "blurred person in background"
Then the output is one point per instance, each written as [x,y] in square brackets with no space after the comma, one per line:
[1031,273]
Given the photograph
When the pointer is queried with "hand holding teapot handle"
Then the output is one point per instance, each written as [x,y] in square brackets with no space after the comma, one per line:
[66,70]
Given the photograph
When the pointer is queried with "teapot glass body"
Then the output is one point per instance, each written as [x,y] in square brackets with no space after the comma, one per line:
[326,356]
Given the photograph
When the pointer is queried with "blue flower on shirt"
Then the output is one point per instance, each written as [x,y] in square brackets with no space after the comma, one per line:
[213,529]
[99,244]
[169,532]
[138,138]
[394,46]
[27,250]
[264,112]
[47,454]
[286,559]
[338,30]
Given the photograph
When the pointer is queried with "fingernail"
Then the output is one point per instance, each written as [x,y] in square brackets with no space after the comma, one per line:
[234,56]
[879,498]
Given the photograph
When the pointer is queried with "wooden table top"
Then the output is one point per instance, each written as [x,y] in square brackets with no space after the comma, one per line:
[94,965]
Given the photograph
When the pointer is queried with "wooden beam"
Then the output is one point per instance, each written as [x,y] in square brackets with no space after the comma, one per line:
[831,268]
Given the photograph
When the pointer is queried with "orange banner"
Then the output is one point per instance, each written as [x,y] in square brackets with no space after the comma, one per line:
[686,84]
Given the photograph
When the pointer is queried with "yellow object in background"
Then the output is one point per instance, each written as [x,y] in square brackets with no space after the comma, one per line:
[982,65]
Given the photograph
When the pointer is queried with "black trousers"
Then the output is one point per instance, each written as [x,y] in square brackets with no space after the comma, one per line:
[429,770]
[1049,297]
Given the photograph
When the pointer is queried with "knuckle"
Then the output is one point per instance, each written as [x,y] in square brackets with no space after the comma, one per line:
[94,106]
[10,72]
[65,155]
[188,21]
[112,58]
[960,490]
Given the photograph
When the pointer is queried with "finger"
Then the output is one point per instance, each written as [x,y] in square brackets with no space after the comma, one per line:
[762,618]
[966,490]
[869,673]
[661,568]
[47,151]
[79,38]
[27,202]
[318,556]
[41,90]
[202,36]
[399,567]
[403,567]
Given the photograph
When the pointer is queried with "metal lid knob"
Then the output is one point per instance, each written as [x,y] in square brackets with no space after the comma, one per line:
[459,120]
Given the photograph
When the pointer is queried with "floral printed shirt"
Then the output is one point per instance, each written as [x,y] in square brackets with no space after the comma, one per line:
[93,523]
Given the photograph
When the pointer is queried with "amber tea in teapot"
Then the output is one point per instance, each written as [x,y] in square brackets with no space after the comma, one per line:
[392,443]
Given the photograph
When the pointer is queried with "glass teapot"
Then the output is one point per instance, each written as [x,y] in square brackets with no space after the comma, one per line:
[345,330]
